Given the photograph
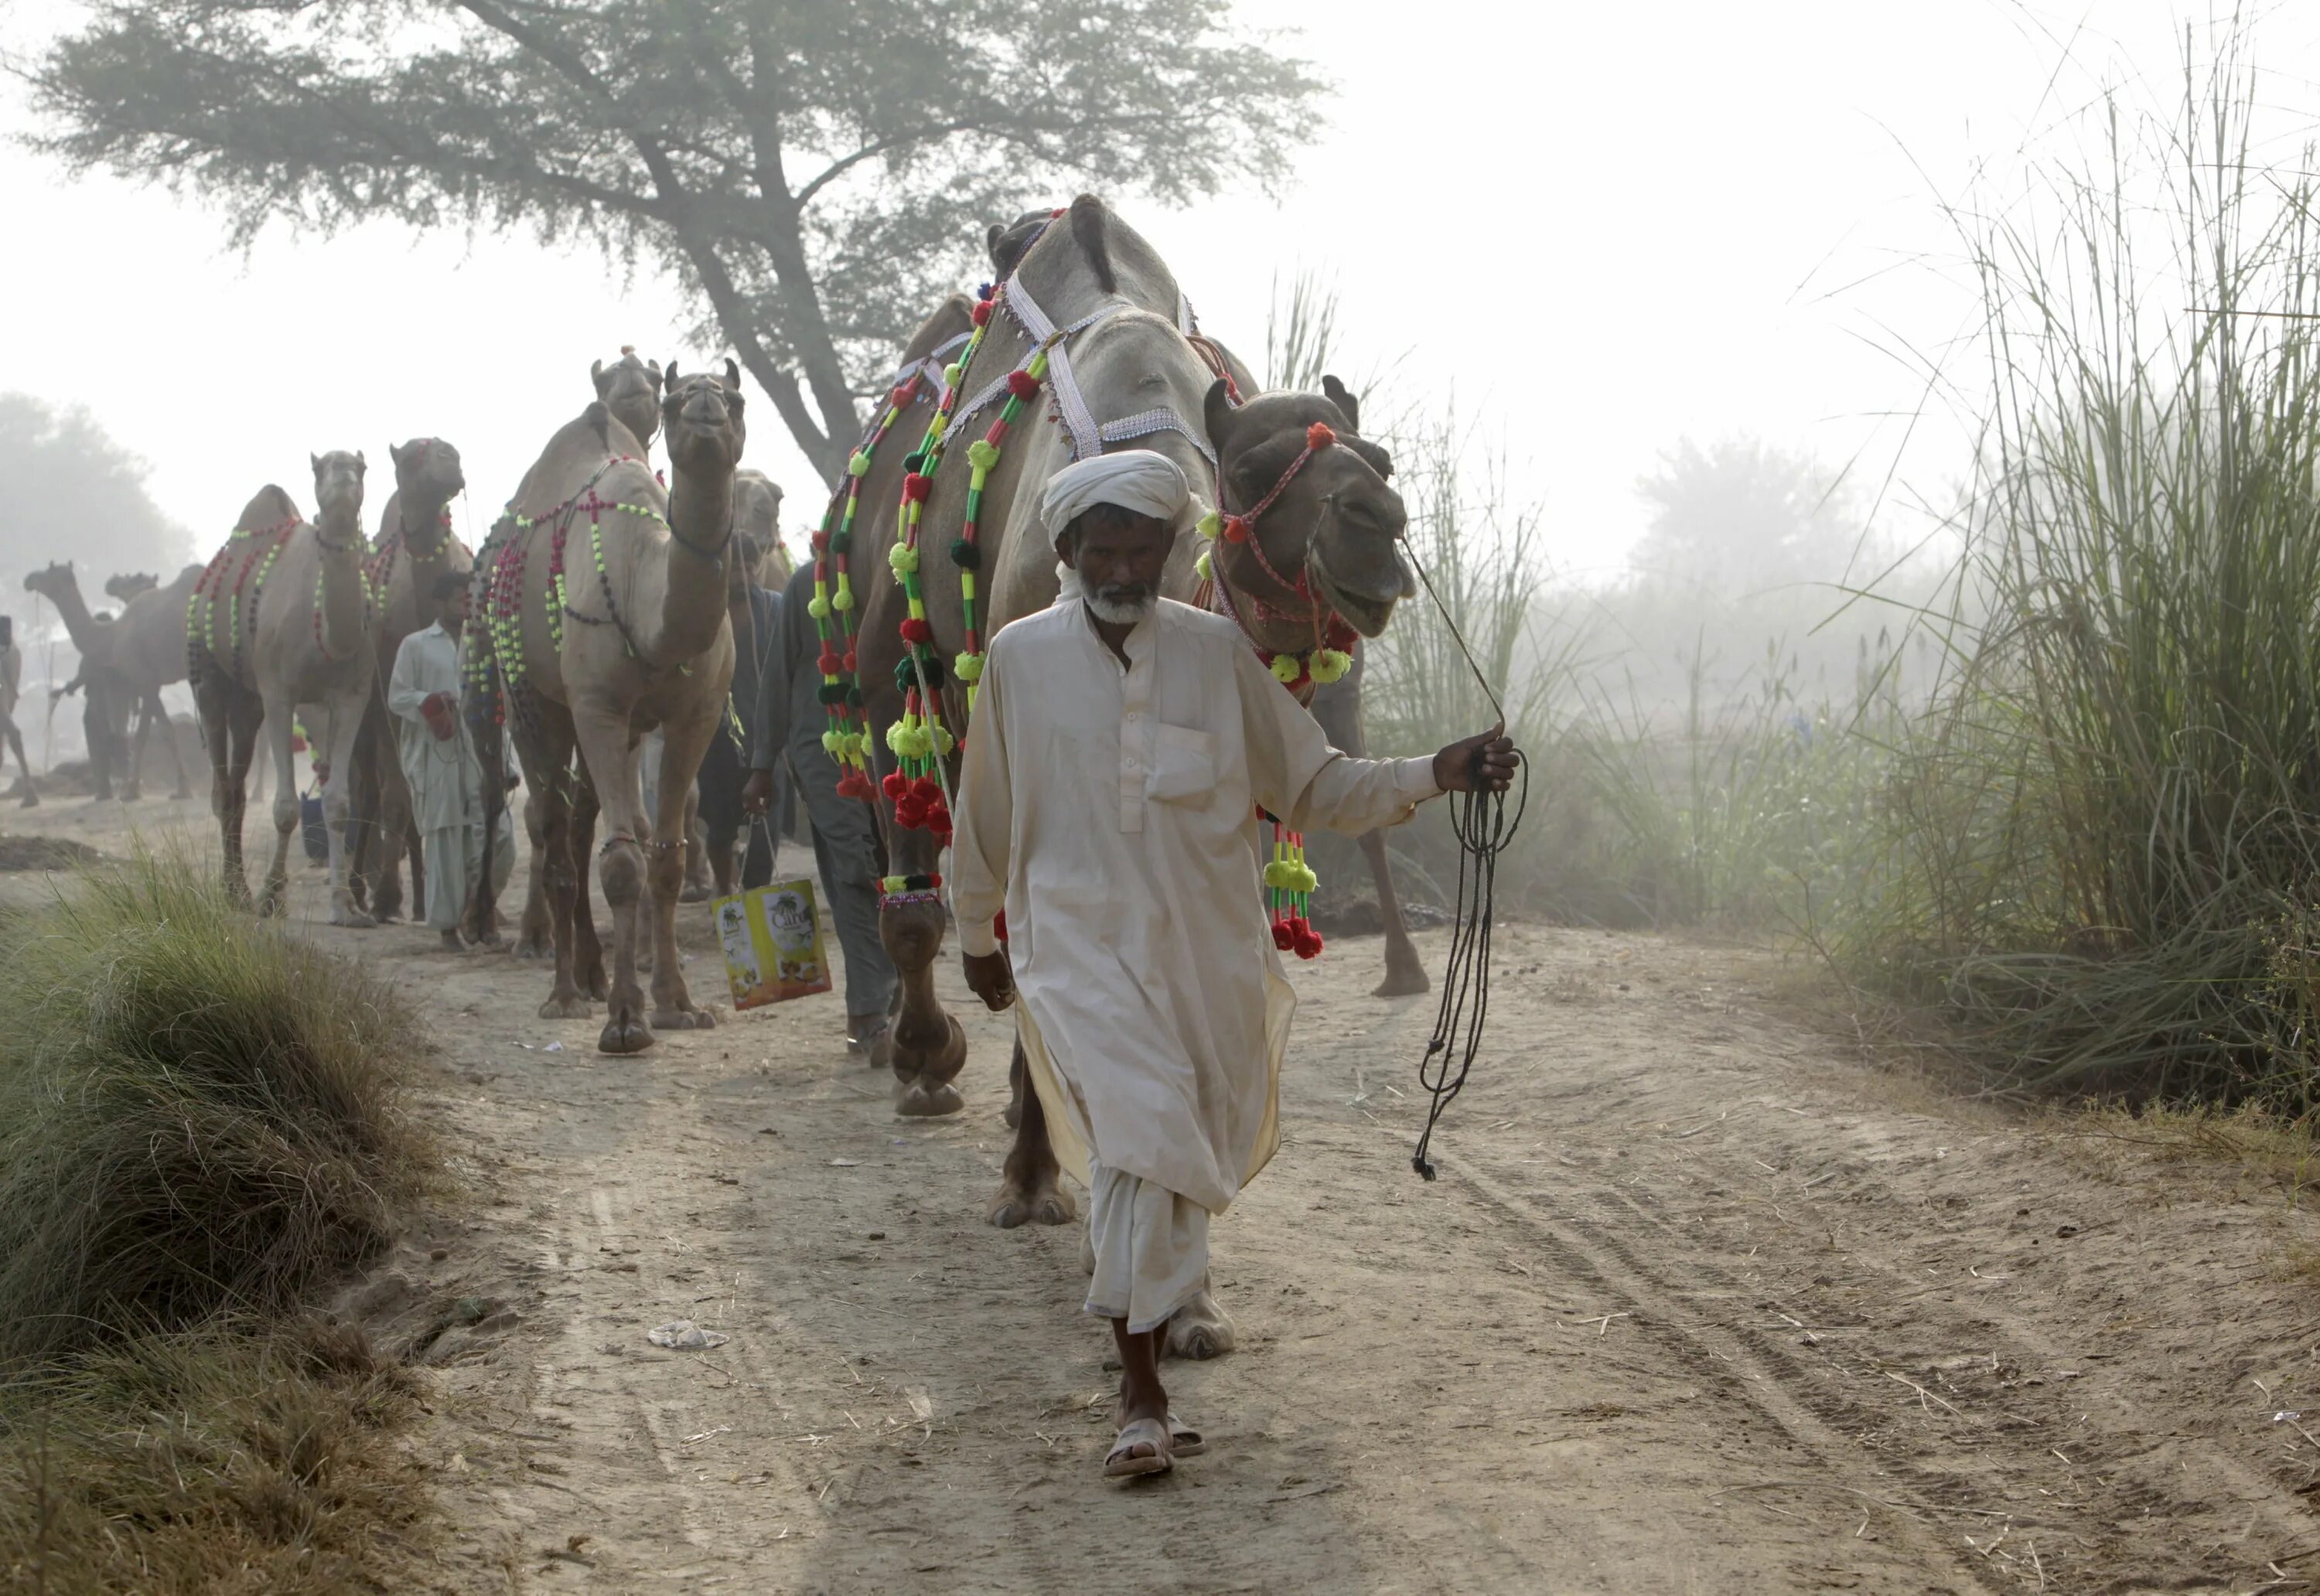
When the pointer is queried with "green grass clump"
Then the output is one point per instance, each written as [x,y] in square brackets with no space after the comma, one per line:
[198,1123]
[196,1111]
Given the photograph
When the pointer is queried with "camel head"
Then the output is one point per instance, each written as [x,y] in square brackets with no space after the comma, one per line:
[128,584]
[757,525]
[702,415]
[1007,243]
[630,389]
[1335,518]
[338,483]
[427,477]
[52,580]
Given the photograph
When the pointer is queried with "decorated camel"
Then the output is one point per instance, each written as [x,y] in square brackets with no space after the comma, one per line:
[148,654]
[600,609]
[108,697]
[1089,333]
[281,617]
[414,547]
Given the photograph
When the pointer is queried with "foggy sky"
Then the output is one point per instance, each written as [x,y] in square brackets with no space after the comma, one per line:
[1597,228]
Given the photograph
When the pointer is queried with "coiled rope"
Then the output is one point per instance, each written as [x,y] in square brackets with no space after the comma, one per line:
[1484,828]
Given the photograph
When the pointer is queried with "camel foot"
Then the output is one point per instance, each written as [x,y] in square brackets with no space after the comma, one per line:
[1202,1329]
[30,800]
[911,1057]
[625,1036]
[1402,981]
[534,945]
[1044,1204]
[352,918]
[925,1100]
[695,891]
[568,1005]
[684,1020]
[270,903]
[488,939]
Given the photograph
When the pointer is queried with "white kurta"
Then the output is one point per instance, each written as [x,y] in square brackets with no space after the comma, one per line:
[446,782]
[1112,812]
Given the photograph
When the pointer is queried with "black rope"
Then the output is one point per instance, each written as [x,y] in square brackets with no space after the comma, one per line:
[1483,827]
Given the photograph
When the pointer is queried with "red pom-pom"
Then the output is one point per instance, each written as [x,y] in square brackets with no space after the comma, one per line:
[915,630]
[830,662]
[982,311]
[1319,435]
[926,791]
[917,485]
[855,784]
[910,814]
[850,666]
[1236,528]
[896,783]
[1022,384]
[1281,937]
[999,925]
[903,393]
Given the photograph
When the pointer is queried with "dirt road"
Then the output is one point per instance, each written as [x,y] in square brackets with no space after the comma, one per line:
[1700,1304]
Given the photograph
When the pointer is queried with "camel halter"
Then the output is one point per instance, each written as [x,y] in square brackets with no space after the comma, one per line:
[1331,655]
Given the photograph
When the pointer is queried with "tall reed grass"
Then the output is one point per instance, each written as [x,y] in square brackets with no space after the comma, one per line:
[2102,850]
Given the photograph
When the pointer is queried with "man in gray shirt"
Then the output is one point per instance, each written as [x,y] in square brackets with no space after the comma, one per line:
[790,721]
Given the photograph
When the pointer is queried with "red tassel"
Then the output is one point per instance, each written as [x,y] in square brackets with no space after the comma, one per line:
[896,783]
[926,791]
[1319,435]
[1023,385]
[911,815]
[855,784]
[917,485]
[915,630]
[1281,937]
[1236,528]
[982,311]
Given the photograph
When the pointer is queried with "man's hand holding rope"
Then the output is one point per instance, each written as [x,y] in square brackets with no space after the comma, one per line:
[1483,764]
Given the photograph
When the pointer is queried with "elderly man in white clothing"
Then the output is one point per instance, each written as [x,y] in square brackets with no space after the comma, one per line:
[439,760]
[1121,745]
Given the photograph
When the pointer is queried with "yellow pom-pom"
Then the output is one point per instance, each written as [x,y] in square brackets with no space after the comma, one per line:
[1287,669]
[983,454]
[968,668]
[1330,664]
[1276,876]
[903,558]
[843,599]
[833,743]
[943,742]
[1306,881]
[898,738]
[1211,526]
[952,372]
[818,606]
[859,466]
[1204,567]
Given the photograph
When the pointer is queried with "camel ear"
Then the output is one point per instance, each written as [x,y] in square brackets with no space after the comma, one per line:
[1338,395]
[654,367]
[361,464]
[1216,412]
[601,418]
[733,375]
[314,463]
[395,454]
[990,237]
[596,376]
[672,374]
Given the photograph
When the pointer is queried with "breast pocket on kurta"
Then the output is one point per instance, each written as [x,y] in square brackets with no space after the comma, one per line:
[1183,764]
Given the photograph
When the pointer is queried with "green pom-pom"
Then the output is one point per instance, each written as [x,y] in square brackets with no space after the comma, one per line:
[965,556]
[943,741]
[818,607]
[898,740]
[903,558]
[952,372]
[833,743]
[983,454]
[1276,876]
[859,466]
[1330,664]
[1211,526]
[915,463]
[968,668]
[1204,568]
[843,599]
[1287,669]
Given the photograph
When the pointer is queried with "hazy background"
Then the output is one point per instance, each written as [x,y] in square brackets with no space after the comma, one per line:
[1602,231]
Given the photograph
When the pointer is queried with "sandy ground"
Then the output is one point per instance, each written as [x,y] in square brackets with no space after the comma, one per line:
[1701,1303]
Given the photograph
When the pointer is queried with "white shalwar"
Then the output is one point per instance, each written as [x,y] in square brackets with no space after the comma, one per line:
[1112,812]
[445,777]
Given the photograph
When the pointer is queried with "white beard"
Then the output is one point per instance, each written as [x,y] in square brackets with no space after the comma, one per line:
[1112,612]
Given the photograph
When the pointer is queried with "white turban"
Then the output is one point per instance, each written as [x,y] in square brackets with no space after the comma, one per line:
[1135,479]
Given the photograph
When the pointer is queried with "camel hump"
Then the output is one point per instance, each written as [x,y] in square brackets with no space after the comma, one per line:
[1090,230]
[270,508]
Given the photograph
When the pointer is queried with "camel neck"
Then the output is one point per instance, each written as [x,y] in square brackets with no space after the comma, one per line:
[73,610]
[701,529]
[345,597]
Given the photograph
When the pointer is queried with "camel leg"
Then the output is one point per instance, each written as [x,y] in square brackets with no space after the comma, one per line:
[534,939]
[391,837]
[546,755]
[1405,977]
[160,715]
[133,786]
[925,1045]
[1029,1190]
[229,733]
[696,847]
[610,751]
[15,740]
[346,721]
[587,947]
[682,748]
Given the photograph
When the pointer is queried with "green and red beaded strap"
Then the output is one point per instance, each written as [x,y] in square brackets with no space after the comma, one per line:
[202,605]
[920,740]
[846,737]
[1289,887]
